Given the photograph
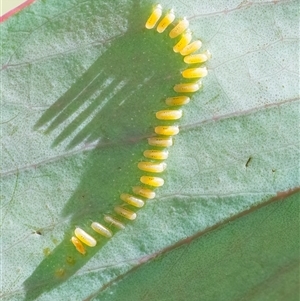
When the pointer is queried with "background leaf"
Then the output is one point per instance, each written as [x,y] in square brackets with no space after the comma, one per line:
[237,149]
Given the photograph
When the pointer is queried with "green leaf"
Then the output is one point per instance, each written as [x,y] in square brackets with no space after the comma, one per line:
[255,257]
[81,82]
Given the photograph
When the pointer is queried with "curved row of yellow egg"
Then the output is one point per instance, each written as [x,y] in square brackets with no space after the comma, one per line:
[164,133]
[186,48]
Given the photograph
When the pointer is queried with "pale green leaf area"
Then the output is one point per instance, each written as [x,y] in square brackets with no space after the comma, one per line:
[80,84]
[256,257]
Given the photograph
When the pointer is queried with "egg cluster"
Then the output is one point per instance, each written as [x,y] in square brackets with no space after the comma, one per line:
[163,133]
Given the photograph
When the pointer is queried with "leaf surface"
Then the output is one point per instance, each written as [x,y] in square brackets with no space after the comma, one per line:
[81,82]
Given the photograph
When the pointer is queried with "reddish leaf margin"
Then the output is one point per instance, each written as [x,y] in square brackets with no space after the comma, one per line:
[15,10]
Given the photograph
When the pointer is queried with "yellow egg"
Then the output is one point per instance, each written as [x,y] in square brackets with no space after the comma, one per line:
[78,245]
[195,72]
[194,46]
[166,21]
[125,212]
[188,87]
[97,227]
[112,221]
[152,181]
[197,58]
[144,192]
[152,167]
[132,200]
[179,28]
[85,238]
[167,130]
[156,154]
[160,141]
[154,17]
[169,114]
[183,42]
[177,100]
